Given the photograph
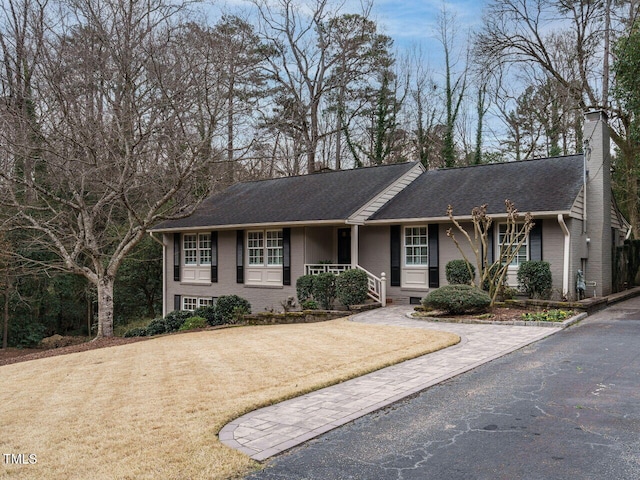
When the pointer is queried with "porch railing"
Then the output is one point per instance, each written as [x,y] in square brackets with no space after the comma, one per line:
[318,268]
[377,286]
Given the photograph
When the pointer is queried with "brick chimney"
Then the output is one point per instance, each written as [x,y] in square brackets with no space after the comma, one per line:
[597,217]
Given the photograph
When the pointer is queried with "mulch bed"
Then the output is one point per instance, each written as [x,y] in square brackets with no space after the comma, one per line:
[496,314]
[15,355]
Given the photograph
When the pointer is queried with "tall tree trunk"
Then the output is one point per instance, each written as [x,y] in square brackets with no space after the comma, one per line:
[230,166]
[5,326]
[105,306]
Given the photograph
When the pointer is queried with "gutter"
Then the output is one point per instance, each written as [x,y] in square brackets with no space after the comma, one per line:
[565,263]
[164,273]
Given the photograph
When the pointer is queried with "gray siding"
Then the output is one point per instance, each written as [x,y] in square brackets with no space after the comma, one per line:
[319,244]
[553,252]
[261,298]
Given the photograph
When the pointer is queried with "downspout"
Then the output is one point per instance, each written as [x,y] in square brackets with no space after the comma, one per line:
[565,263]
[164,273]
[585,174]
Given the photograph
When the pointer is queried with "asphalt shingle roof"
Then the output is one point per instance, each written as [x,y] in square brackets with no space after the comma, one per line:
[321,196]
[548,184]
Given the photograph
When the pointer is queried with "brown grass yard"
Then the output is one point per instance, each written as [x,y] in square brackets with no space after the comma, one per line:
[152,409]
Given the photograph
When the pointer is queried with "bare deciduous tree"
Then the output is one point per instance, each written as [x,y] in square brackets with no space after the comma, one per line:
[516,232]
[120,135]
[570,42]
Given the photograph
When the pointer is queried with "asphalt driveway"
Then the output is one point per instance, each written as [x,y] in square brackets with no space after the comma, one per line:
[565,407]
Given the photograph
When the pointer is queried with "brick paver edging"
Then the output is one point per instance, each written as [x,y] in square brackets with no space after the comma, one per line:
[520,323]
[274,429]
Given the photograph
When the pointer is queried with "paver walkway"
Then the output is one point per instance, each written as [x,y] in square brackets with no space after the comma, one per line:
[271,430]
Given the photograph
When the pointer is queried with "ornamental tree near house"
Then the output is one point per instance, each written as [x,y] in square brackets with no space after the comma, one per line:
[517,230]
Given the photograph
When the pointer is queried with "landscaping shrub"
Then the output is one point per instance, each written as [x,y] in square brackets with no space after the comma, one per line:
[174,320]
[157,326]
[230,308]
[457,299]
[193,322]
[309,305]
[457,272]
[136,332]
[304,288]
[547,316]
[534,278]
[324,289]
[209,313]
[352,287]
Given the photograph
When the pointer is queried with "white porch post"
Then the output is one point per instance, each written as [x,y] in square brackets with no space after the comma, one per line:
[354,246]
[383,289]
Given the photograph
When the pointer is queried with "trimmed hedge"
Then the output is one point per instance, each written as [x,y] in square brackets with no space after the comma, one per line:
[304,288]
[352,287]
[324,289]
[534,277]
[457,272]
[457,299]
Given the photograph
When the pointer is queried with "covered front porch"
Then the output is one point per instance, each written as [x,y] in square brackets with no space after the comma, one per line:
[335,249]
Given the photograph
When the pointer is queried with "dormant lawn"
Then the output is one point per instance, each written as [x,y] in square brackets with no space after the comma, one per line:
[152,409]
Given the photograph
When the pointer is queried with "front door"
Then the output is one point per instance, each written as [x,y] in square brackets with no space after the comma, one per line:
[344,246]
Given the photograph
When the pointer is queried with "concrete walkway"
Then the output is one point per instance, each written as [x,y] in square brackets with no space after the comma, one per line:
[271,430]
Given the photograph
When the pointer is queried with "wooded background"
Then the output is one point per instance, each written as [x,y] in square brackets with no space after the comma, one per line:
[118,114]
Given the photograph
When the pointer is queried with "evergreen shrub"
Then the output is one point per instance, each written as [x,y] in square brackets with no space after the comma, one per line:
[174,320]
[230,308]
[193,322]
[457,299]
[304,288]
[324,289]
[457,272]
[352,287]
[136,332]
[534,278]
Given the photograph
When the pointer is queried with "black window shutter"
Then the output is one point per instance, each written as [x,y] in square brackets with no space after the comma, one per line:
[286,256]
[177,247]
[396,254]
[535,241]
[434,271]
[240,256]
[214,257]
[177,302]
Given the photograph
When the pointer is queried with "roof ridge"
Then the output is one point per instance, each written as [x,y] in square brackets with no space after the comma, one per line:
[301,175]
[527,160]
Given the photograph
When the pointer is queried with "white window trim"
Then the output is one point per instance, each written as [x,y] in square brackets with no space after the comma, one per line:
[525,246]
[199,237]
[197,302]
[264,246]
[404,247]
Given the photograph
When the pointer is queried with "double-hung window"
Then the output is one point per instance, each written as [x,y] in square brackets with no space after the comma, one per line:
[505,239]
[192,303]
[197,248]
[416,246]
[265,248]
